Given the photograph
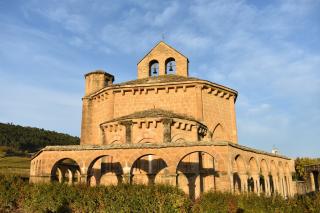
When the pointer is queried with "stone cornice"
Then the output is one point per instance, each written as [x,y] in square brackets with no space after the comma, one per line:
[203,84]
[155,146]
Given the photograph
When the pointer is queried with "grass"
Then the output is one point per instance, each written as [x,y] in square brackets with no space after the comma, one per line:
[14,165]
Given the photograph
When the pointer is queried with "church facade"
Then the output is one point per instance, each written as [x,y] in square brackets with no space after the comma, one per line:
[163,127]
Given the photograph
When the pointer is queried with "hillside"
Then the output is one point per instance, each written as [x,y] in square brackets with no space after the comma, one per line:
[29,139]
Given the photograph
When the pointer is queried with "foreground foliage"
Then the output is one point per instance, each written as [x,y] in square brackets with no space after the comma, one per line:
[19,196]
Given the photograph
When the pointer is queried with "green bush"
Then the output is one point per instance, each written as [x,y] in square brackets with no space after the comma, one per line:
[54,197]
[252,203]
[19,196]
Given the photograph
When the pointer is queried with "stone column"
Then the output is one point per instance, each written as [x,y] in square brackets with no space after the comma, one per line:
[256,183]
[84,179]
[267,184]
[70,176]
[312,185]
[244,180]
[167,130]
[128,126]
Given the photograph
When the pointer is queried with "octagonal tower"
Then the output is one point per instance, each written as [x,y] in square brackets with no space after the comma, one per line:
[164,105]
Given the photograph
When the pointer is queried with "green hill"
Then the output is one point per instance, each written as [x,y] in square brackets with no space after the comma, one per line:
[29,139]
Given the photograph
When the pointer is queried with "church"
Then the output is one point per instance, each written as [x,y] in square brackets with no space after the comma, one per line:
[164,127]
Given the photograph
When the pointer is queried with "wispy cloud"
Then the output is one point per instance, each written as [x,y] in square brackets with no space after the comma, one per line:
[268,50]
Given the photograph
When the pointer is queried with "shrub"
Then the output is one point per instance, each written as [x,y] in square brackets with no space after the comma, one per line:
[11,191]
[16,195]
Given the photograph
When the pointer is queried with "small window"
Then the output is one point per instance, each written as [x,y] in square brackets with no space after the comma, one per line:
[170,66]
[154,68]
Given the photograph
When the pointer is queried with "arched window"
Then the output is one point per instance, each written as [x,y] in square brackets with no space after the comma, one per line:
[154,68]
[170,66]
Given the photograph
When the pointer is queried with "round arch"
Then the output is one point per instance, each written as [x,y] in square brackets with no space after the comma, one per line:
[104,170]
[170,66]
[177,138]
[154,68]
[273,168]
[253,166]
[66,170]
[219,162]
[148,169]
[240,164]
[264,167]
[196,173]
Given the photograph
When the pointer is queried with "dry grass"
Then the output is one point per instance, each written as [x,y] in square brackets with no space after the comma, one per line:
[14,165]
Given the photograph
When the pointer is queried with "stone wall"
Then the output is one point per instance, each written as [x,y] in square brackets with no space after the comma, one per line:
[195,166]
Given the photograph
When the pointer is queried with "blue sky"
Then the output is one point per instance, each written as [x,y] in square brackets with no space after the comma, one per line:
[269,51]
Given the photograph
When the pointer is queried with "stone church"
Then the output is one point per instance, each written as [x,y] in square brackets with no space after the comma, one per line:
[164,127]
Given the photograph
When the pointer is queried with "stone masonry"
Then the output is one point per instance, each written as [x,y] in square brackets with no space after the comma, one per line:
[164,127]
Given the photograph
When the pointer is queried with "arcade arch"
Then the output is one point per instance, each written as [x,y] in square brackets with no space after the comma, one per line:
[196,173]
[148,169]
[66,170]
[104,170]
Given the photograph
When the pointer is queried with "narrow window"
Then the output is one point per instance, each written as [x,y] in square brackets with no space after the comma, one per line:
[170,66]
[154,68]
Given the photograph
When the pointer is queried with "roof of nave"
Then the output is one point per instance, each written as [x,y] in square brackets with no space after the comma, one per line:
[156,146]
[152,113]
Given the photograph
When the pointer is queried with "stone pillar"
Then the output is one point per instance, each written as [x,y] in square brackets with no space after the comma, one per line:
[267,184]
[70,176]
[312,185]
[128,126]
[84,179]
[167,130]
[256,183]
[244,181]
[199,103]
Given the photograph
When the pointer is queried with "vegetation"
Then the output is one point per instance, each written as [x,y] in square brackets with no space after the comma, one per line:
[15,165]
[16,139]
[19,196]
[299,166]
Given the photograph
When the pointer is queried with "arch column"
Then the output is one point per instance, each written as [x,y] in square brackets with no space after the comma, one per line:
[267,184]
[312,184]
[70,177]
[244,182]
[256,183]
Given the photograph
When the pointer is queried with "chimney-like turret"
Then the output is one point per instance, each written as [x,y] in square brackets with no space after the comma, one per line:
[97,80]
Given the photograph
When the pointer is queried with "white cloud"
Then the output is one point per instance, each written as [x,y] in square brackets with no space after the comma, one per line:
[269,52]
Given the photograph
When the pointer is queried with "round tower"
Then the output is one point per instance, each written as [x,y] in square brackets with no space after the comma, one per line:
[97,80]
